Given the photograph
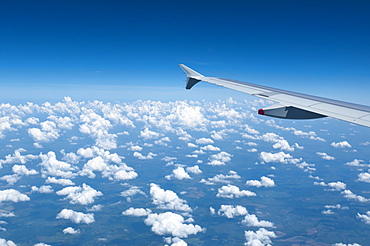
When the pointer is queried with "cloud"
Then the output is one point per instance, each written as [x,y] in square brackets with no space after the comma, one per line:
[52,167]
[364,217]
[4,242]
[167,199]
[195,169]
[88,152]
[350,195]
[175,241]
[337,185]
[62,122]
[325,156]
[47,133]
[306,167]
[5,214]
[42,189]
[137,212]
[221,178]
[18,158]
[80,195]
[231,191]
[343,144]
[12,195]
[135,148]
[204,141]
[95,208]
[112,172]
[283,145]
[261,237]
[327,212]
[11,179]
[64,182]
[71,158]
[231,211]
[250,130]
[311,134]
[210,148]
[97,128]
[219,159]
[178,173]
[217,135]
[191,145]
[148,134]
[32,121]
[22,170]
[189,116]
[171,224]
[357,163]
[277,157]
[163,141]
[133,190]
[265,182]
[149,156]
[364,177]
[76,217]
[70,230]
[252,220]
[19,171]
[338,206]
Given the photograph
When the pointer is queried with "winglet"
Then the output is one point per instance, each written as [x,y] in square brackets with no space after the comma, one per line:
[192,76]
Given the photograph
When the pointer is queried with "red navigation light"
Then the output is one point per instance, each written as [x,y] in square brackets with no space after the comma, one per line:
[261,112]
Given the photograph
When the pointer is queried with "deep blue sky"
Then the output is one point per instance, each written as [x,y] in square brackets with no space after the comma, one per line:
[306,46]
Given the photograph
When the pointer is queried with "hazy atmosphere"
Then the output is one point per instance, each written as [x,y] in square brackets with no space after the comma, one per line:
[103,145]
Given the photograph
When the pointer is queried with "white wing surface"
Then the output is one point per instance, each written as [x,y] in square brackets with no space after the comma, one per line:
[291,105]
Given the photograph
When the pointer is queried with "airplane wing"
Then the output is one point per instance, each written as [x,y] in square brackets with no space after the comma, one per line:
[290,105]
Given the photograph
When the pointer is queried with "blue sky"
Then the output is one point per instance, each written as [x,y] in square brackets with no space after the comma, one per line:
[307,46]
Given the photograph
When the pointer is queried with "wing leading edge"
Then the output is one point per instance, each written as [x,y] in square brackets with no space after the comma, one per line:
[290,105]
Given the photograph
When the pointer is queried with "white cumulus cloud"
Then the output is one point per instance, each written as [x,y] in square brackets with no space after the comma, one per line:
[194,169]
[278,157]
[4,242]
[12,195]
[219,159]
[325,156]
[265,182]
[343,144]
[231,211]
[64,182]
[80,195]
[204,141]
[178,173]
[137,212]
[252,220]
[53,167]
[148,134]
[171,224]
[262,237]
[350,195]
[42,189]
[76,217]
[221,178]
[167,199]
[22,170]
[231,191]
[70,230]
